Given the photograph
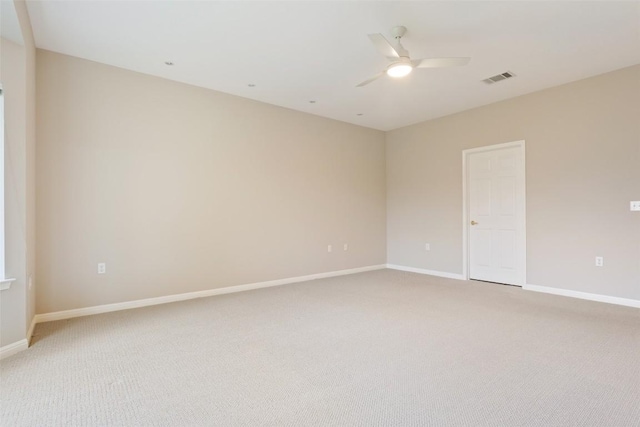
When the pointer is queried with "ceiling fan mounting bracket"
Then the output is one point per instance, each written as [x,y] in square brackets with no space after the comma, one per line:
[398,32]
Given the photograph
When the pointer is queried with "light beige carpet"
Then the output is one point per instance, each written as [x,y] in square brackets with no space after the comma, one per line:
[378,348]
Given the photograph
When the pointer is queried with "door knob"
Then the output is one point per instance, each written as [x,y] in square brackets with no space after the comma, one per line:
[473,223]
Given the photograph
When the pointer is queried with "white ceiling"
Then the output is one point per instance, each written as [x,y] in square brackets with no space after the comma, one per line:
[295,52]
[9,24]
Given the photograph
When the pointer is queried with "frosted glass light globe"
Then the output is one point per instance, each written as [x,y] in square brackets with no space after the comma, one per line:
[399,70]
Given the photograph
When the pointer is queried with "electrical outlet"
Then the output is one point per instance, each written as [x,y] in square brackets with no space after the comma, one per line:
[427,247]
[329,248]
[599,261]
[102,268]
[635,206]
[345,247]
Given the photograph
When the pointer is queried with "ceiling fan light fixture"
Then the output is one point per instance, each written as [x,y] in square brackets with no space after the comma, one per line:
[399,70]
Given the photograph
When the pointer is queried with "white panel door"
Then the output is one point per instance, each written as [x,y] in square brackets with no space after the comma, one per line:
[496,215]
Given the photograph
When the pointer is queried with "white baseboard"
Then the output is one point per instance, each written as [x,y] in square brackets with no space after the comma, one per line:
[584,295]
[68,314]
[18,346]
[429,272]
[13,348]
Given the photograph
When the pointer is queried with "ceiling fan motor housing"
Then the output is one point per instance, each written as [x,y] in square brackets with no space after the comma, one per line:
[400,68]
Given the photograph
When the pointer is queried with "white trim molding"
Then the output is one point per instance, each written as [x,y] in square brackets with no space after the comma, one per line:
[31,328]
[86,311]
[13,348]
[583,295]
[428,272]
[18,346]
[6,284]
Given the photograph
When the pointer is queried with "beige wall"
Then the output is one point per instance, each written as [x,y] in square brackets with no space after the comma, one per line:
[583,168]
[180,189]
[17,74]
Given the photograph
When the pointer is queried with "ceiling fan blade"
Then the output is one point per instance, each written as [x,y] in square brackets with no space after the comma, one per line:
[383,46]
[366,82]
[440,62]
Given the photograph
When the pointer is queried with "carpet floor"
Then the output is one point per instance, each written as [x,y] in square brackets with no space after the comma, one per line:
[382,348]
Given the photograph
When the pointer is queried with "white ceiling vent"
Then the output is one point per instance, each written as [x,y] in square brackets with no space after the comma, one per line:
[499,77]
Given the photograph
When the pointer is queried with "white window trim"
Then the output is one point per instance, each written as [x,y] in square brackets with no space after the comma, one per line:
[5,283]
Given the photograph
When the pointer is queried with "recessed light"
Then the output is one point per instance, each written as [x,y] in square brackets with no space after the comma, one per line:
[312,102]
[168,63]
[360,114]
[251,85]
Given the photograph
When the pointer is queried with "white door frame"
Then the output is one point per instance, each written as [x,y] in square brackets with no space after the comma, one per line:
[522,249]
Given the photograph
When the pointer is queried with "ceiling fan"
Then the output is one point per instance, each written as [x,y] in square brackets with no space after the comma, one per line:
[401,63]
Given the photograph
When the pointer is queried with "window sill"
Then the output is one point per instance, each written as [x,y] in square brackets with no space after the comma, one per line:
[6,284]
